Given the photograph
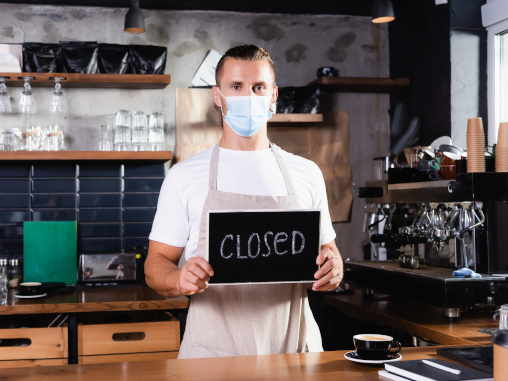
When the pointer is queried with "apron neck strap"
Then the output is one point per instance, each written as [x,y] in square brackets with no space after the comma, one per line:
[214,168]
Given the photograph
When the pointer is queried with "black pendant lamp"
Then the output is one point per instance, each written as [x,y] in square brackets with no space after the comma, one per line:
[382,11]
[134,19]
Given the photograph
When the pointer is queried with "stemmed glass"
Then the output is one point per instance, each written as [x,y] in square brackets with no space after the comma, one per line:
[58,103]
[5,100]
[26,102]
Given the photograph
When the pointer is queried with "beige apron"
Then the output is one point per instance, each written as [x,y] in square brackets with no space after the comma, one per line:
[248,319]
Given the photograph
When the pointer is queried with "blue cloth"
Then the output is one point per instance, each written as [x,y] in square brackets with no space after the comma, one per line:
[465,273]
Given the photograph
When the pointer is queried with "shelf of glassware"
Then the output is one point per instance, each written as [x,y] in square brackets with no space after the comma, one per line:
[81,80]
[157,156]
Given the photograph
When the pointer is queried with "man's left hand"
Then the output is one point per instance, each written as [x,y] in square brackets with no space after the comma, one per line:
[330,271]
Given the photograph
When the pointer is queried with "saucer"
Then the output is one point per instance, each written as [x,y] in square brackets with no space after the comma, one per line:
[353,356]
[30,296]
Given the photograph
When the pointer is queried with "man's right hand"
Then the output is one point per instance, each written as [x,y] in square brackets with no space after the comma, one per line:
[194,276]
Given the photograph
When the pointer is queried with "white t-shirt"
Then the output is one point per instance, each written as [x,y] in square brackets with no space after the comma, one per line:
[184,190]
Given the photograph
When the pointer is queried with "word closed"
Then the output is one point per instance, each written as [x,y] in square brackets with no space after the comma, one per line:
[278,241]
[263,246]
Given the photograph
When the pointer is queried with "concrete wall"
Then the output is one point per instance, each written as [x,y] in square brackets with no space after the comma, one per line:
[299,45]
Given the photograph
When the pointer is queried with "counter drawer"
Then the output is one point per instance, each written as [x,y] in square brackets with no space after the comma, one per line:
[157,332]
[33,344]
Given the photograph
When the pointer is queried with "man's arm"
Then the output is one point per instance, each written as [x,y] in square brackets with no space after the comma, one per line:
[163,275]
[331,271]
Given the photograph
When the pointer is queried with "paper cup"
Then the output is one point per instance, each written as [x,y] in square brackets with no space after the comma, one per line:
[474,126]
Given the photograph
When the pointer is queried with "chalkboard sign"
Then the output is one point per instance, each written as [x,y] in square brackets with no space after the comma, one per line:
[263,246]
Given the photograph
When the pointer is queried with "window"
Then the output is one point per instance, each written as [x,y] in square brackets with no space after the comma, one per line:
[495,18]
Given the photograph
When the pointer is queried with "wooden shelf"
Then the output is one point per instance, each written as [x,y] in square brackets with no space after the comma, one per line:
[361,84]
[296,118]
[79,80]
[160,156]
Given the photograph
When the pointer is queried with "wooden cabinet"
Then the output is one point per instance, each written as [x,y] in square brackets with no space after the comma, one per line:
[20,347]
[146,336]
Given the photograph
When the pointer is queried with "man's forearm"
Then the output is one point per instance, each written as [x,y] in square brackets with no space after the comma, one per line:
[162,275]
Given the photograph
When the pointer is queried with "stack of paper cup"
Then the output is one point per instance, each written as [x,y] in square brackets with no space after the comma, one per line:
[475,145]
[502,148]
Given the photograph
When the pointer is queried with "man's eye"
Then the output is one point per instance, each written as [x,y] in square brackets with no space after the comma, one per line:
[236,87]
[259,88]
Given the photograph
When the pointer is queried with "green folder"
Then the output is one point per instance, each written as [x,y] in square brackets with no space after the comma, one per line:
[50,251]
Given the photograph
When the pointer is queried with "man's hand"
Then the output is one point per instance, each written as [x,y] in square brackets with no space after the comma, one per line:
[194,276]
[330,272]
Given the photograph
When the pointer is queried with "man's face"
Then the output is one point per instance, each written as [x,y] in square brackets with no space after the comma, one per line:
[244,78]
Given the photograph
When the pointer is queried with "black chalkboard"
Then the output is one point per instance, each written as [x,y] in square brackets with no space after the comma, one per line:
[260,246]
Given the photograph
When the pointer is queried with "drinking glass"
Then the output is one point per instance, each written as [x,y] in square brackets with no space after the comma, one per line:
[33,137]
[2,140]
[156,132]
[122,131]
[5,100]
[502,316]
[4,289]
[27,102]
[105,137]
[139,131]
[12,137]
[54,138]
[58,103]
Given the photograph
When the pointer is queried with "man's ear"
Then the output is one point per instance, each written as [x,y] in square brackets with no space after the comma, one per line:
[216,96]
[275,95]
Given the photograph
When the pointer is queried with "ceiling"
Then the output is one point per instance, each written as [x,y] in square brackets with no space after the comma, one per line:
[333,7]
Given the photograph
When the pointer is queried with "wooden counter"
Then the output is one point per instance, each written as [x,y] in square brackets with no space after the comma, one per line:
[419,319]
[303,366]
[93,299]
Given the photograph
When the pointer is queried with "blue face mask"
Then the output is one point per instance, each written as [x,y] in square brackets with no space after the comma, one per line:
[247,114]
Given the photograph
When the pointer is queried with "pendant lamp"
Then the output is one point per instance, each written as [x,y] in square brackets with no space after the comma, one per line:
[134,19]
[382,11]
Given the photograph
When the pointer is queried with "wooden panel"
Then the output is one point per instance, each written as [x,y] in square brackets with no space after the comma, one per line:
[361,84]
[160,156]
[97,339]
[296,118]
[101,359]
[31,363]
[46,343]
[80,80]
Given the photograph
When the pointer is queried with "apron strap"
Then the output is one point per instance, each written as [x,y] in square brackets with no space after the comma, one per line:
[214,168]
[285,173]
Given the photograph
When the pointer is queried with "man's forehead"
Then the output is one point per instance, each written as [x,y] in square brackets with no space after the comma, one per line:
[235,70]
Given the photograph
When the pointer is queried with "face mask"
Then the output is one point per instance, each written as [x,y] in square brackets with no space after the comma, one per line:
[247,114]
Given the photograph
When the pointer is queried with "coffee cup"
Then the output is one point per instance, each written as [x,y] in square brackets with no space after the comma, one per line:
[30,288]
[500,341]
[375,346]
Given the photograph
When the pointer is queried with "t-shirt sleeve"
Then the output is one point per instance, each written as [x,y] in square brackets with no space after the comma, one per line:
[171,223]
[327,231]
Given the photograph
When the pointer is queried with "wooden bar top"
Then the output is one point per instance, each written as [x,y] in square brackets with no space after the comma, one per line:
[93,299]
[325,366]
[417,318]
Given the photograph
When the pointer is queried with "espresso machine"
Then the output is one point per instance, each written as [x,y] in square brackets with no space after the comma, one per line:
[422,231]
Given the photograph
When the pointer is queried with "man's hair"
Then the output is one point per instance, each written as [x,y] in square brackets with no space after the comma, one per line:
[244,52]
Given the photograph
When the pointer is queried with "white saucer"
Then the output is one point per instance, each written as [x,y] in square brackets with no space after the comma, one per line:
[353,356]
[30,296]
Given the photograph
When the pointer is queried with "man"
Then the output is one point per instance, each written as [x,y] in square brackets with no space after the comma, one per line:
[244,171]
